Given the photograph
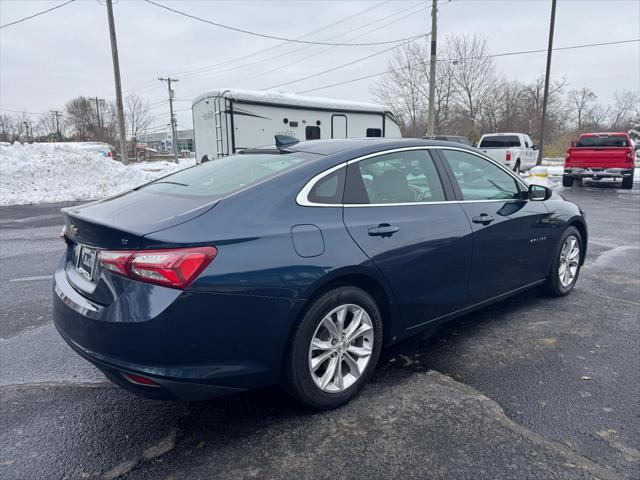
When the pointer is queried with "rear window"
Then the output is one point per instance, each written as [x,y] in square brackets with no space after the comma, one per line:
[500,141]
[220,177]
[603,141]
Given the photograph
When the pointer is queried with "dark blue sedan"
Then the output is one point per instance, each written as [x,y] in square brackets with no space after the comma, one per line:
[296,265]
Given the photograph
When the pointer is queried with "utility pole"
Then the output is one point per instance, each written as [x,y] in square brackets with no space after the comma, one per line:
[99,101]
[116,77]
[546,81]
[58,114]
[26,129]
[432,69]
[174,132]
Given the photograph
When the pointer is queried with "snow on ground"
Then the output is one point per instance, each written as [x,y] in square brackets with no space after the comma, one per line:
[58,172]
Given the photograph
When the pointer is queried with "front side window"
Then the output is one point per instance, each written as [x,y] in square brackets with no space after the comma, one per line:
[400,177]
[479,179]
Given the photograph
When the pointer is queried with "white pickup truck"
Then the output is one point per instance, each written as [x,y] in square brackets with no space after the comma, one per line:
[515,150]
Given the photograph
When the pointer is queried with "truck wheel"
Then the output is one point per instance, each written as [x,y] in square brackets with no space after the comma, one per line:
[567,181]
[627,183]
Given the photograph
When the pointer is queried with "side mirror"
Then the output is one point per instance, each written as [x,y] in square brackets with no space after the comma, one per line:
[535,147]
[538,193]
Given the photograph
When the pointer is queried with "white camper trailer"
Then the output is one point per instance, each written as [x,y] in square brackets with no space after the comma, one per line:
[227,121]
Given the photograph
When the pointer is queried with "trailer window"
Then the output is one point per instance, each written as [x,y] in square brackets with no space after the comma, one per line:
[312,133]
[374,132]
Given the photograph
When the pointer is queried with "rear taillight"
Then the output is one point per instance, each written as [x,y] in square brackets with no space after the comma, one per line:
[175,268]
[508,156]
[567,159]
[630,156]
[140,380]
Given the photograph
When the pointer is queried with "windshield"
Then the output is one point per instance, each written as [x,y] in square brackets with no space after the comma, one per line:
[501,141]
[220,177]
[603,141]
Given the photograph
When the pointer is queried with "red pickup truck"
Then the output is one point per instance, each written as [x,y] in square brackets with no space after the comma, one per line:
[600,155]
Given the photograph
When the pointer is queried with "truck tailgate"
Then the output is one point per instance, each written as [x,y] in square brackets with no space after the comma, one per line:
[603,157]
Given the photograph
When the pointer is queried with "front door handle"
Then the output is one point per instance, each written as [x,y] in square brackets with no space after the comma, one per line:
[382,230]
[483,218]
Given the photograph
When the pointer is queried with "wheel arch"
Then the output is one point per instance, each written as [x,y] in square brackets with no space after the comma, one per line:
[366,279]
[580,225]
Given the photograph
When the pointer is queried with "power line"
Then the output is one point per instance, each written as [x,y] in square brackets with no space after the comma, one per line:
[199,70]
[146,87]
[304,59]
[523,52]
[413,7]
[274,37]
[333,69]
[37,14]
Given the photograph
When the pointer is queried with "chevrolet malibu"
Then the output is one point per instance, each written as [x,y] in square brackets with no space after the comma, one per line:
[297,265]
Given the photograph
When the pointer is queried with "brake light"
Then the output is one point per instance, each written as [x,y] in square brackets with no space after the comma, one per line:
[140,380]
[175,268]
[630,156]
[508,156]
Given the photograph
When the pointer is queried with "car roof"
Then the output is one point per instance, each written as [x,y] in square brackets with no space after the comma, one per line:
[329,147]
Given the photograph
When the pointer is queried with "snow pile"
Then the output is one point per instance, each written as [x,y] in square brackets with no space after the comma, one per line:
[57,172]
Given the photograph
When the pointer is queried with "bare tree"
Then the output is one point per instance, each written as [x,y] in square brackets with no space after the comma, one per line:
[625,110]
[473,74]
[136,116]
[402,88]
[81,118]
[580,103]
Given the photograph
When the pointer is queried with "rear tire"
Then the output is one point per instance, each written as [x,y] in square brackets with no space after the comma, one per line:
[323,368]
[568,254]
[627,183]
[567,181]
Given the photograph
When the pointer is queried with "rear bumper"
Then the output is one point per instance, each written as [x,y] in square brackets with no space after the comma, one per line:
[192,345]
[598,172]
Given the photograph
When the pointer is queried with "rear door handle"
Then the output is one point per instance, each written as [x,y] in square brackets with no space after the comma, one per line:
[382,230]
[483,219]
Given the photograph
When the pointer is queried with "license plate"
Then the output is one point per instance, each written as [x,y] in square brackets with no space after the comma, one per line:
[86,262]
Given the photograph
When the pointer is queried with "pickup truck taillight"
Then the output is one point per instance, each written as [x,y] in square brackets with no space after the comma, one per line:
[175,268]
[567,159]
[508,156]
[630,157]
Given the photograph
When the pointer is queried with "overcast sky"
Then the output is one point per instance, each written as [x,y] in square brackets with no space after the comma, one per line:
[47,60]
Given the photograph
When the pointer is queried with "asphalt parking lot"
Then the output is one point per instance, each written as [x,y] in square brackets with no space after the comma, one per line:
[530,388]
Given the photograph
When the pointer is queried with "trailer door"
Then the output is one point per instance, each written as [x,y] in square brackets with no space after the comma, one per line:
[338,126]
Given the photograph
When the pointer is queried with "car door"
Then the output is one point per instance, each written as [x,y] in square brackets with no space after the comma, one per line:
[399,212]
[511,235]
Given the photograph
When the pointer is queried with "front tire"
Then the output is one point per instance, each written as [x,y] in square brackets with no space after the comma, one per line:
[334,348]
[566,264]
[567,181]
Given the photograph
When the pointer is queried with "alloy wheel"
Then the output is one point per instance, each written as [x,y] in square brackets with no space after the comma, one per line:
[341,348]
[569,261]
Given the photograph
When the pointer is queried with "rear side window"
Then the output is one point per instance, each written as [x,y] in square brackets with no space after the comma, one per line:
[222,176]
[374,132]
[500,141]
[312,133]
[480,179]
[329,189]
[603,141]
[400,177]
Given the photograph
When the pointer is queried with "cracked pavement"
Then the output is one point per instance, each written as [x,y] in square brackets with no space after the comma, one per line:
[529,388]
